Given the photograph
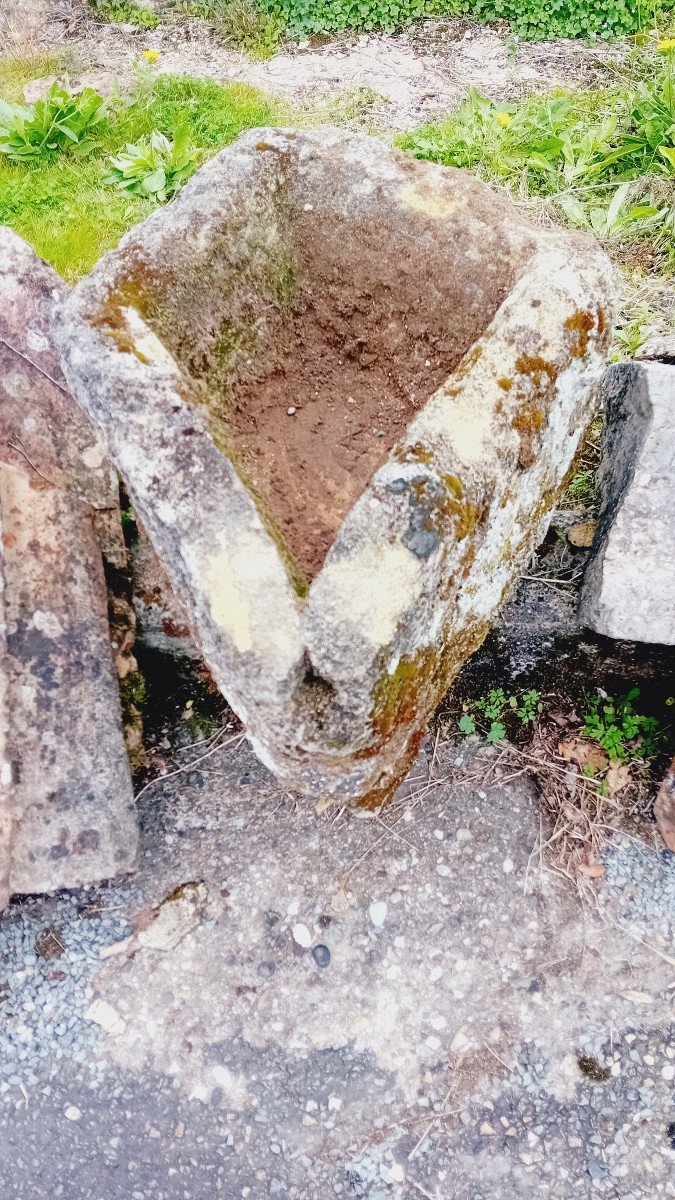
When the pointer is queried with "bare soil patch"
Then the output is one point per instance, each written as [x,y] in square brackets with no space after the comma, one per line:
[412,76]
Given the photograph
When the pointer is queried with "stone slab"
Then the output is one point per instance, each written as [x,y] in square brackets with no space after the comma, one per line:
[73,818]
[66,798]
[629,587]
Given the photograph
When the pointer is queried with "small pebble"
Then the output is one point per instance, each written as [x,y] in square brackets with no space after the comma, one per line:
[378,913]
[302,936]
[290,411]
[321,955]
[72,1113]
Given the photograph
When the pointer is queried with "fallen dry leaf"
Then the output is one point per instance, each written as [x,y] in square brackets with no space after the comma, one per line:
[617,777]
[116,948]
[585,754]
[591,870]
[582,535]
[664,809]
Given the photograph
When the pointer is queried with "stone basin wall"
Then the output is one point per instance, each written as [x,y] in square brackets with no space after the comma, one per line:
[334,663]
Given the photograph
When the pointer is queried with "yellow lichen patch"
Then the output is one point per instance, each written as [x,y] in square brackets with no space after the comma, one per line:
[541,372]
[396,696]
[454,486]
[418,681]
[417,453]
[424,198]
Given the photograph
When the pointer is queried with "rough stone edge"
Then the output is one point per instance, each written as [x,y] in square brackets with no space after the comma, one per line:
[6,793]
[629,422]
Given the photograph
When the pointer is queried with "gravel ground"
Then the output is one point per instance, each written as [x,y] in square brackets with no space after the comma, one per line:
[49,954]
[344,1005]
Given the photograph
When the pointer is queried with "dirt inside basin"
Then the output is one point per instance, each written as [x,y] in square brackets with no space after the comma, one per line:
[374,327]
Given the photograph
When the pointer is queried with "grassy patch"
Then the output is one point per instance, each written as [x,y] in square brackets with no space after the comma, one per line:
[242,23]
[60,203]
[529,19]
[602,162]
[124,12]
[18,69]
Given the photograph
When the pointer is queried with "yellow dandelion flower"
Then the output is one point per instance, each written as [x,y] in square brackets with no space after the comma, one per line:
[666,46]
[150,56]
[504,119]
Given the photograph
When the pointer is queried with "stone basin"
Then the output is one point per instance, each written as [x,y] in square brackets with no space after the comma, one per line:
[344,388]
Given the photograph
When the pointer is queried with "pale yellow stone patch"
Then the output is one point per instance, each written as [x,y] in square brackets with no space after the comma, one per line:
[424,198]
[93,456]
[393,576]
[468,421]
[146,342]
[229,608]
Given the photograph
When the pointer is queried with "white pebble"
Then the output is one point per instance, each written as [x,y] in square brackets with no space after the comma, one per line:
[378,913]
[302,936]
[433,1043]
[507,866]
[668,1072]
[103,1014]
[290,410]
[72,1113]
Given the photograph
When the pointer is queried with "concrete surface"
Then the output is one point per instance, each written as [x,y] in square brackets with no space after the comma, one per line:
[458,1026]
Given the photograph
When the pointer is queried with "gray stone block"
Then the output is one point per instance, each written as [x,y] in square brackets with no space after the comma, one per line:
[66,801]
[629,587]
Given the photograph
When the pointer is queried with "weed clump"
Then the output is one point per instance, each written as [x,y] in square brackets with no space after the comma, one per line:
[55,191]
[529,19]
[124,12]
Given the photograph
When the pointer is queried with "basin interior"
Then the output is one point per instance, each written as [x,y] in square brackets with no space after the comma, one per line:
[313,336]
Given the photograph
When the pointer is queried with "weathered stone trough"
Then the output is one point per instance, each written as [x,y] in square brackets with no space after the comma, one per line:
[344,388]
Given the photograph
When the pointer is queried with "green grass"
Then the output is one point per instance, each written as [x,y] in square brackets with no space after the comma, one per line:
[62,207]
[18,69]
[601,161]
[63,210]
[124,11]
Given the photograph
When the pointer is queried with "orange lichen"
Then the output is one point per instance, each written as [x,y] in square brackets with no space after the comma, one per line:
[537,368]
[580,323]
[528,423]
